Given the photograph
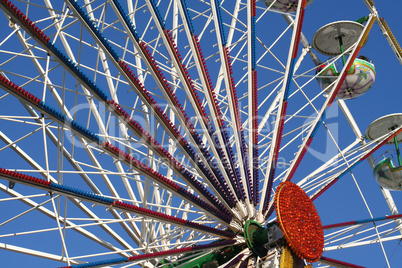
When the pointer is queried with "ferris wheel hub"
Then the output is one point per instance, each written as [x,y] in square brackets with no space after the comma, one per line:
[260,239]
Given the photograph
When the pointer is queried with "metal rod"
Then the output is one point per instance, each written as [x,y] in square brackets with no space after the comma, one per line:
[398,153]
[342,49]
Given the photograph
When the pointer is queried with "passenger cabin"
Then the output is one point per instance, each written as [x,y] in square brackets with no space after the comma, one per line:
[387,174]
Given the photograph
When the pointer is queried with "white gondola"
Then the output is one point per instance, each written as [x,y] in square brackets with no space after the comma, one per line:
[387,174]
[287,6]
[334,39]
[358,81]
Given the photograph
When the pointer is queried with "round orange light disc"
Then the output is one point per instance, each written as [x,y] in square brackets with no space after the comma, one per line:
[299,221]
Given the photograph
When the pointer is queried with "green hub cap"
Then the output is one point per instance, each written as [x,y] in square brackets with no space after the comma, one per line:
[260,239]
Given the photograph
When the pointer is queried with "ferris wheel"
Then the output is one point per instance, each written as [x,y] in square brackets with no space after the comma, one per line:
[146,133]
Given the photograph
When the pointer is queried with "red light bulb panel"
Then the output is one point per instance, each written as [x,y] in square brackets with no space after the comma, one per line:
[299,221]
